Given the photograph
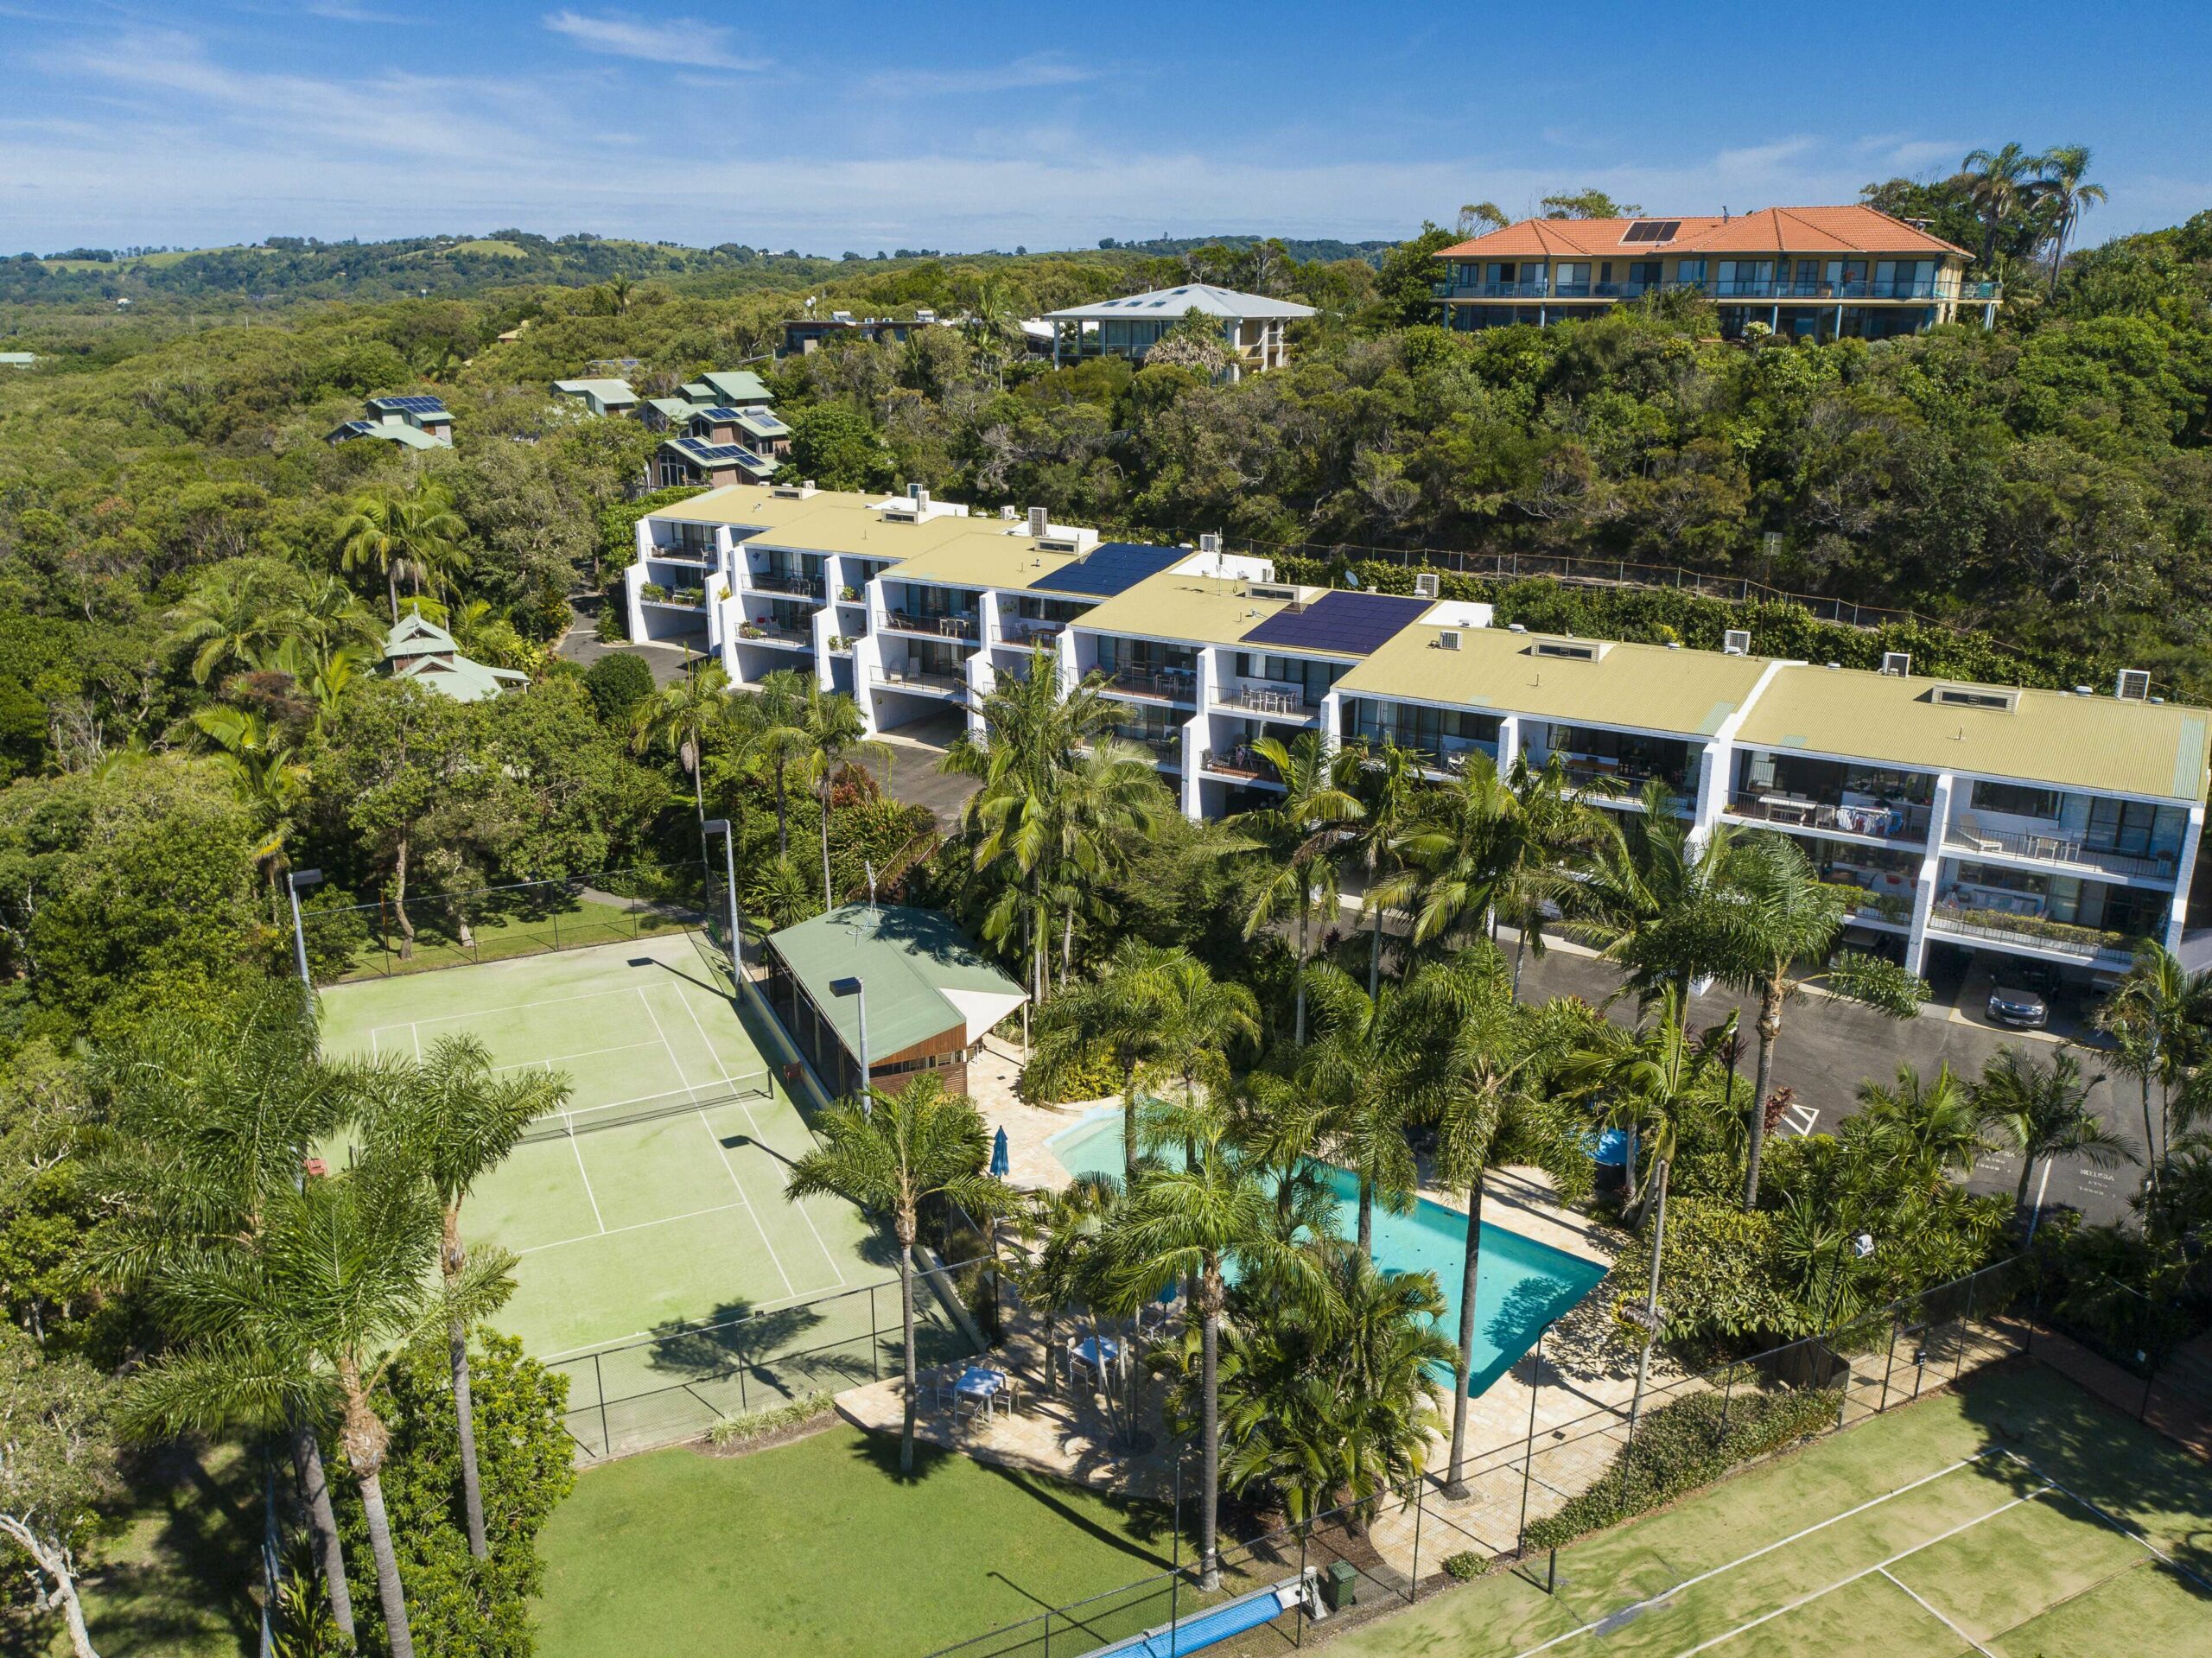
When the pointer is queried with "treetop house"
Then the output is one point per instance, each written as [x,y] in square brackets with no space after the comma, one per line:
[1820,272]
[417,421]
[420,650]
[1251,325]
[927,995]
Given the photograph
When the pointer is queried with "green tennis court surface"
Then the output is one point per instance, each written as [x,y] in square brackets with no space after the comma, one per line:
[2017,1520]
[658,1198]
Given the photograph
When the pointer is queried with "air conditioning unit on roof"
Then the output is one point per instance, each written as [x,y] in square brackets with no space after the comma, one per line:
[1209,542]
[1040,520]
[1447,639]
[2133,685]
[1426,585]
[1896,664]
[1736,642]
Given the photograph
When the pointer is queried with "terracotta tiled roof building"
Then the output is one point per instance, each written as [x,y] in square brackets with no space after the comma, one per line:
[1824,272]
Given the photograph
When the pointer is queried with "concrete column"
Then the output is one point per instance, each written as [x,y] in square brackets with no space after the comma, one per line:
[1331,721]
[1718,764]
[1931,866]
[2184,868]
[1508,742]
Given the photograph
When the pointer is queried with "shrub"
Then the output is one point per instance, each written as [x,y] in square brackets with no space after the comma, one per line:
[1089,1076]
[1682,1446]
[614,624]
[734,1431]
[652,593]
[617,684]
[1466,1566]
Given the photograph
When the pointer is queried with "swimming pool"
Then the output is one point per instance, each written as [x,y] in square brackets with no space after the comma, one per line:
[1520,1285]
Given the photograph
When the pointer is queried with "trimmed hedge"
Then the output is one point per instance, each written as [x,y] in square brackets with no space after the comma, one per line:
[1682,1447]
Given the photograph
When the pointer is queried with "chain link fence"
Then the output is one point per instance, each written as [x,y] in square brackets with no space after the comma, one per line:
[429,931]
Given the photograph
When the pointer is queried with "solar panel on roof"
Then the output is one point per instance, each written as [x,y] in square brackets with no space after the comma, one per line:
[414,405]
[1350,623]
[1111,567]
[1652,230]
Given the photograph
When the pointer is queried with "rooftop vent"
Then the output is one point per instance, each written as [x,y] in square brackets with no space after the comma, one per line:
[2133,685]
[1426,585]
[1736,642]
[1209,541]
[2083,690]
[1447,639]
[793,491]
[1896,664]
[1570,650]
[1009,513]
[1288,595]
[2002,697]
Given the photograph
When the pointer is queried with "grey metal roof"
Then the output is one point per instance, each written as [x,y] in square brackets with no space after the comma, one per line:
[1171,303]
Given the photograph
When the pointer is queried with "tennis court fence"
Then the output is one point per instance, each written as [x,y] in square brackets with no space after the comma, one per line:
[1367,1558]
[676,1384]
[466,925]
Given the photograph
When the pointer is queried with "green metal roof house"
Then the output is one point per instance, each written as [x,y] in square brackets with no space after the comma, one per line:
[420,650]
[930,995]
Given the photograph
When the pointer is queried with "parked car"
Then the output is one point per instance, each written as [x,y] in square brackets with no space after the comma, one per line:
[2018,1006]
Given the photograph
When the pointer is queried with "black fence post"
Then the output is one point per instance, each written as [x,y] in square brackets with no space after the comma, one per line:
[874,1340]
[1298,1639]
[1421,1507]
[1966,1324]
[1889,1364]
[599,1386]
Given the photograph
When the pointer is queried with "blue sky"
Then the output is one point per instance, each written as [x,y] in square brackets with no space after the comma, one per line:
[830,127]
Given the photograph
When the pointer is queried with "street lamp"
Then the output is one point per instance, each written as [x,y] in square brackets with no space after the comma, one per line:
[721,826]
[1861,1244]
[854,988]
[295,884]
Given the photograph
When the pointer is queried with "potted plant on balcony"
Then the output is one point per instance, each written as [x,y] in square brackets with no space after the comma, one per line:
[841,642]
[848,593]
[751,631]
[690,596]
[652,593]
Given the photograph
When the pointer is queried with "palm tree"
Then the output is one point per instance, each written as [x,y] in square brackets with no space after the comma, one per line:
[1119,1011]
[418,535]
[308,1323]
[229,617]
[834,733]
[329,616]
[1454,856]
[453,1118]
[1107,802]
[1184,1224]
[1784,916]
[198,1125]
[2000,183]
[2041,1111]
[677,717]
[2161,1021]
[265,778]
[1657,898]
[918,1143]
[1200,1019]
[1920,1132]
[777,740]
[2066,191]
[1651,1078]
[1388,782]
[1555,832]
[1311,821]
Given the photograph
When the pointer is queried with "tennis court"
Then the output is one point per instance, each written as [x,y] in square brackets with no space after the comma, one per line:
[2019,1523]
[657,1198]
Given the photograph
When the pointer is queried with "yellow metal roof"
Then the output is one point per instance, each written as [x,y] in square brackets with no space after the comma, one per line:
[986,556]
[1205,609]
[2096,743]
[1645,686]
[825,522]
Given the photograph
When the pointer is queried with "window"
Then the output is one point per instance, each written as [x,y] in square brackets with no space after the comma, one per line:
[1690,271]
[2134,827]
[2015,799]
[1643,273]
[1573,278]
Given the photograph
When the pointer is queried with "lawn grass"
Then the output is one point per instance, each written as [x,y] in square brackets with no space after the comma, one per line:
[819,1548]
[578,923]
[175,1577]
[2043,1575]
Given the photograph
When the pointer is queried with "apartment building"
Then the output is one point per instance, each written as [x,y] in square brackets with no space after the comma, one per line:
[1821,273]
[2056,827]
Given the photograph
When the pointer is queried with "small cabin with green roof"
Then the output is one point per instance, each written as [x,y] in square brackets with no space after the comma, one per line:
[420,650]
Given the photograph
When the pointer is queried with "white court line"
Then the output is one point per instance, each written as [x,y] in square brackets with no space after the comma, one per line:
[684,1077]
[588,1193]
[415,1031]
[563,1058]
[2112,1521]
[755,1121]
[1746,1559]
[1938,1616]
[634,1226]
[616,1343]
[511,1007]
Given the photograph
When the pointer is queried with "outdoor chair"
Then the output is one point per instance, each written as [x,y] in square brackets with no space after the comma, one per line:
[1974,835]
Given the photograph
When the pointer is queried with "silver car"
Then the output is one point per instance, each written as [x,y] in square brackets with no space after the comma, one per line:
[2018,1006]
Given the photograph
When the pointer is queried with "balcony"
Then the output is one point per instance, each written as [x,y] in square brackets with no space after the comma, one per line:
[1273,701]
[803,587]
[921,681]
[690,558]
[1901,823]
[1966,834]
[1950,918]
[1157,685]
[1025,631]
[935,627]
[1166,752]
[777,634]
[682,599]
[1241,764]
[1624,780]
[1781,288]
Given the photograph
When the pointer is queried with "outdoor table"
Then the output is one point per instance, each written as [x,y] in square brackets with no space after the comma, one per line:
[979,1386]
[1096,1351]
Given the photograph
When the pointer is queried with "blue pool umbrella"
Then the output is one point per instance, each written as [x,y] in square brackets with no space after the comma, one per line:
[1610,1148]
[1001,1161]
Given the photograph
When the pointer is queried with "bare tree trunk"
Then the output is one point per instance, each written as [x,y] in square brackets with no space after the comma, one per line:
[1305,924]
[1366,1227]
[1067,944]
[392,592]
[1520,950]
[399,901]
[1210,1412]
[472,1488]
[1770,1029]
[828,901]
[906,1329]
[51,1556]
[1129,1128]
[322,1521]
[397,1635]
[1375,959]
[1455,1483]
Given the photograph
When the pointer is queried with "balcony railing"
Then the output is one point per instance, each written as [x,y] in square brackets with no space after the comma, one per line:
[1778,288]
[1280,703]
[1167,684]
[1629,776]
[926,680]
[2033,932]
[2061,849]
[775,633]
[936,627]
[806,586]
[1239,762]
[1029,630]
[1902,822]
[697,558]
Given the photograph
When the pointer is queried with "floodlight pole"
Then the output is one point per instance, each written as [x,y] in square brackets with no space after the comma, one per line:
[1650,1319]
[721,826]
[294,883]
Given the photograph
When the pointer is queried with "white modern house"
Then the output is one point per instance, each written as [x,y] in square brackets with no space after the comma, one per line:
[1252,325]
[2051,826]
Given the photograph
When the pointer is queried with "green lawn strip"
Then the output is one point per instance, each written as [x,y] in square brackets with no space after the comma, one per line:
[500,938]
[2044,1417]
[175,1578]
[818,1547]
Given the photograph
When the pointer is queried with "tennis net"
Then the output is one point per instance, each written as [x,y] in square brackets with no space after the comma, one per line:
[577,1119]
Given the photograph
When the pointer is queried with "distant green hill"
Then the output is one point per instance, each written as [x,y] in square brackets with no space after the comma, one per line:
[1303,249]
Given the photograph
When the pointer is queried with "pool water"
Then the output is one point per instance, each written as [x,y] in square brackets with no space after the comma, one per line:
[1520,1287]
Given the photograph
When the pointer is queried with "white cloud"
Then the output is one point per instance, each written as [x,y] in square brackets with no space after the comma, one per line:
[1040,69]
[675,40]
